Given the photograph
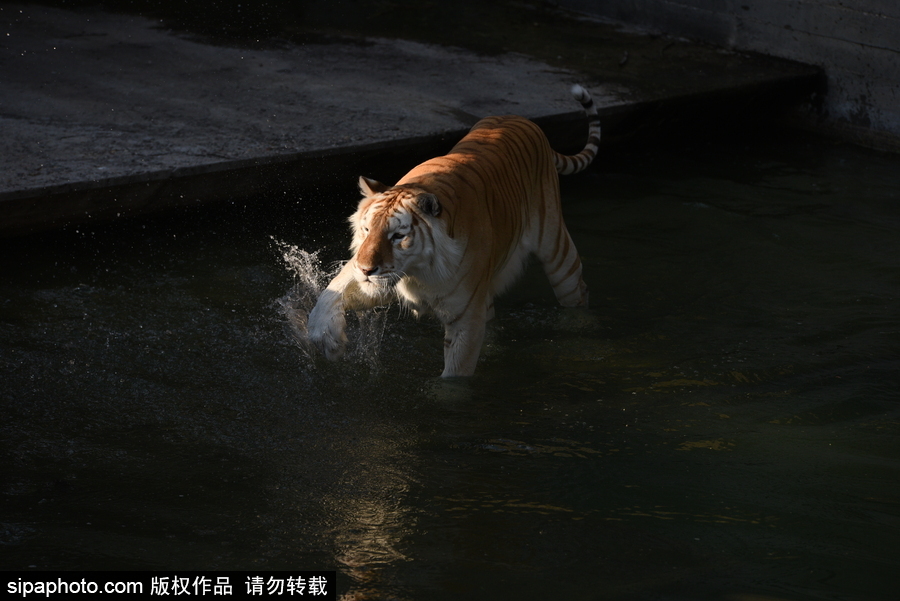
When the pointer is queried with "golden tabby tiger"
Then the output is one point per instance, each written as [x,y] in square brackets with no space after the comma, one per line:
[456,231]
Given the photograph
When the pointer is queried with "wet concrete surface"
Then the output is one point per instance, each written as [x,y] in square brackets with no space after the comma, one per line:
[110,115]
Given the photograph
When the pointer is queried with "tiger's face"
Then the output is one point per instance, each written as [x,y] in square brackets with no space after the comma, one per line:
[392,235]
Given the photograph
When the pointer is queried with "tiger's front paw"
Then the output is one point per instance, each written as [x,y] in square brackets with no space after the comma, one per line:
[326,329]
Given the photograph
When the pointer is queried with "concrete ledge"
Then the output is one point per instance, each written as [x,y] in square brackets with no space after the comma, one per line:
[108,116]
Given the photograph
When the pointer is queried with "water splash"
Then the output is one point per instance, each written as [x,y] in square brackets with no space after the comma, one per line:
[364,331]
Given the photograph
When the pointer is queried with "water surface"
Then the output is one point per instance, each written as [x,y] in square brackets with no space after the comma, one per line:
[721,423]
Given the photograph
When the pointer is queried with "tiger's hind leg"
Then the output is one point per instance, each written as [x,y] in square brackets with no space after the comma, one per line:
[561,263]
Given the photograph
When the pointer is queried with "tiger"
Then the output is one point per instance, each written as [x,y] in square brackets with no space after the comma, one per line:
[456,231]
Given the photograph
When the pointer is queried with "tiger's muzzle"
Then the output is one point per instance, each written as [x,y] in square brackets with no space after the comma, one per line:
[376,279]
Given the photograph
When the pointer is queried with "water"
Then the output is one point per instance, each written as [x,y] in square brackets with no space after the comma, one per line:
[722,423]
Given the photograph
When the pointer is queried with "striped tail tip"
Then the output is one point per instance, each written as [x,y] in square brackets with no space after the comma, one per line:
[579,93]
[567,165]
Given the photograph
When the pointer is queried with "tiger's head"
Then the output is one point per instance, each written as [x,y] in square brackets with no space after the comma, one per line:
[397,233]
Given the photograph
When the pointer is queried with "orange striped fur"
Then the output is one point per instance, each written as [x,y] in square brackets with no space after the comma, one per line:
[456,231]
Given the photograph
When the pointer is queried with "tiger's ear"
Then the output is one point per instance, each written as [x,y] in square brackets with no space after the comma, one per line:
[429,204]
[370,187]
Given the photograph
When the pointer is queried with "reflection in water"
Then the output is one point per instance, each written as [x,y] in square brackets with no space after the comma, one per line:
[721,425]
[368,541]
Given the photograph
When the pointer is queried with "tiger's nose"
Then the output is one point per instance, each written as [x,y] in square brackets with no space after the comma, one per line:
[367,271]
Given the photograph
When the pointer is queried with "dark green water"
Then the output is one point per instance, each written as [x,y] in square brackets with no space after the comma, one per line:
[722,424]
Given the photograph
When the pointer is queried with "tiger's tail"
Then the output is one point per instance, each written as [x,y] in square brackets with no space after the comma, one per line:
[567,165]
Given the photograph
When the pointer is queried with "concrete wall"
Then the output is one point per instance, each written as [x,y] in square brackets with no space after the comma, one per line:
[856,42]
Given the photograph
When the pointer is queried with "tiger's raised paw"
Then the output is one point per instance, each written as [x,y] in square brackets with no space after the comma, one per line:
[326,332]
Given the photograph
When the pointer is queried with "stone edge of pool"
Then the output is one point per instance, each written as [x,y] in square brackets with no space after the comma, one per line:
[116,55]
